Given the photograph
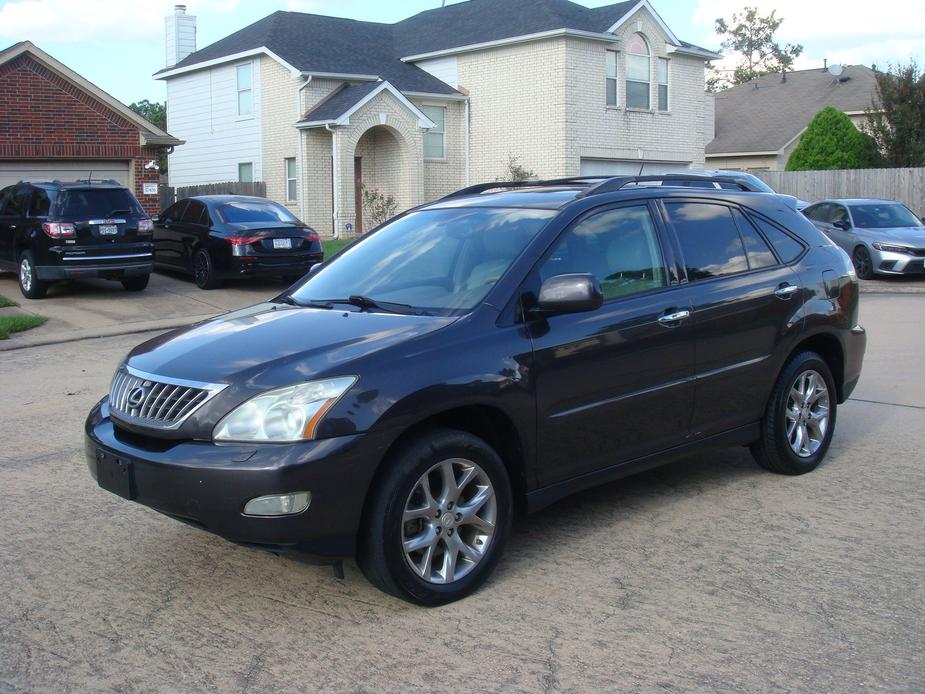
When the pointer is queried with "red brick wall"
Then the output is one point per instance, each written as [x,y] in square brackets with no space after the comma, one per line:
[43,116]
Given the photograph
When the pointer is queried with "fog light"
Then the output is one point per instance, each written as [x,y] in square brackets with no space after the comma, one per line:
[278,504]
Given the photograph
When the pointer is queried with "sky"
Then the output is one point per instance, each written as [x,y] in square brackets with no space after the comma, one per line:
[118,44]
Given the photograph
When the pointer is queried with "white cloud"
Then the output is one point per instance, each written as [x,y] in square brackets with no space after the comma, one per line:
[849,31]
[67,21]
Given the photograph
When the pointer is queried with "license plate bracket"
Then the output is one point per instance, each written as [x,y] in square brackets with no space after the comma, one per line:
[282,244]
[115,475]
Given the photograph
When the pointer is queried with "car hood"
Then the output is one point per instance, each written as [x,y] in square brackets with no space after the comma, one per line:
[910,236]
[245,345]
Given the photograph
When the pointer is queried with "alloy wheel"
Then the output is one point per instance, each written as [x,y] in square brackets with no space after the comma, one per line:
[201,268]
[449,521]
[862,263]
[25,274]
[807,413]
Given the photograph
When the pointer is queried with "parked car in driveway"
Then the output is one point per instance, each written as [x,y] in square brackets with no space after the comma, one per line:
[218,237]
[727,180]
[882,237]
[495,350]
[50,230]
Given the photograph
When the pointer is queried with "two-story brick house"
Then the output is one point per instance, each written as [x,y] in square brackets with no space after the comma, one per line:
[315,106]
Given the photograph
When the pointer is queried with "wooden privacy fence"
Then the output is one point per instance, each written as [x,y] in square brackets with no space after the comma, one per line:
[170,195]
[905,185]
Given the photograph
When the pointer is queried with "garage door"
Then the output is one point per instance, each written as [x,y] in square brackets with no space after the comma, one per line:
[15,171]
[623,167]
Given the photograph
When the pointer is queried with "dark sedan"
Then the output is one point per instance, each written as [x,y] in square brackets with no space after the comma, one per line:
[218,237]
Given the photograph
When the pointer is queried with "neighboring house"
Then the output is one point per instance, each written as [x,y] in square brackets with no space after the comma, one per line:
[318,107]
[759,124]
[54,124]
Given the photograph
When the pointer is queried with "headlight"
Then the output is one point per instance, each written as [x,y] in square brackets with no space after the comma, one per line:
[283,415]
[890,248]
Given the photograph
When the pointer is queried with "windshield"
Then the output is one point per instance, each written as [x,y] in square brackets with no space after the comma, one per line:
[437,261]
[251,212]
[883,216]
[92,203]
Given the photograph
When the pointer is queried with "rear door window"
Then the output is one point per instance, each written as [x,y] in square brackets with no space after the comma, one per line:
[98,203]
[195,213]
[709,239]
[759,252]
[788,248]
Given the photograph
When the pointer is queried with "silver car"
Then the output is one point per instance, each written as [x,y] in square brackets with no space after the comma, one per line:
[881,236]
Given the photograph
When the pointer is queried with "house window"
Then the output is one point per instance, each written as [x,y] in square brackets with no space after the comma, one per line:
[638,72]
[246,172]
[292,188]
[435,138]
[245,77]
[611,80]
[663,84]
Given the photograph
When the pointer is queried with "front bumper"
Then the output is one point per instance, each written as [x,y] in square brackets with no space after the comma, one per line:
[888,263]
[207,484]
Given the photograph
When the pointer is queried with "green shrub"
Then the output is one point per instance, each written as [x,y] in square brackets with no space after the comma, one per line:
[832,142]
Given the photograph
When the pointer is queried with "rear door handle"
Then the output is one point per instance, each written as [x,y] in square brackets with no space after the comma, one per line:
[669,318]
[786,291]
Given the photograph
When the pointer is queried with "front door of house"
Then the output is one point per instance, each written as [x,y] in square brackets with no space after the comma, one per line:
[358,192]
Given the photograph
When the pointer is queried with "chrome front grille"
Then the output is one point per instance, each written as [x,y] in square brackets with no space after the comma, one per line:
[157,402]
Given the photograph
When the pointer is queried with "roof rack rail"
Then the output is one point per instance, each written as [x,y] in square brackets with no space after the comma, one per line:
[619,182]
[482,187]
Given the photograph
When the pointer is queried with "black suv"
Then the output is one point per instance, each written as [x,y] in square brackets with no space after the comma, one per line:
[490,352]
[51,230]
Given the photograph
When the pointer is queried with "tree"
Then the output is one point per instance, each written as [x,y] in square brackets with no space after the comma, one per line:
[378,206]
[897,122]
[750,35]
[155,113]
[514,171]
[831,141]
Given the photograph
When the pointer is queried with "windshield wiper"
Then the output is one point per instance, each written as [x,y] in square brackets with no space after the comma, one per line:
[366,303]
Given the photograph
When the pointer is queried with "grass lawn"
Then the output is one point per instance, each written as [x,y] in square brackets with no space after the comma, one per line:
[4,302]
[331,246]
[15,324]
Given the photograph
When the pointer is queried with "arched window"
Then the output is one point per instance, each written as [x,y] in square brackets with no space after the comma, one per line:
[638,72]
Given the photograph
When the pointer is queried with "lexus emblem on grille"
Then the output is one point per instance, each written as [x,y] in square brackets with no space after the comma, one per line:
[137,396]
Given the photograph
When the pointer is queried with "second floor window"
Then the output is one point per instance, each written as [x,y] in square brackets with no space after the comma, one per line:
[611,81]
[662,84]
[246,172]
[638,72]
[435,138]
[245,78]
[292,188]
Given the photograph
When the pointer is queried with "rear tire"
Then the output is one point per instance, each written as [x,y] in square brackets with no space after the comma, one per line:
[863,265]
[800,417]
[29,284]
[136,284]
[204,270]
[436,545]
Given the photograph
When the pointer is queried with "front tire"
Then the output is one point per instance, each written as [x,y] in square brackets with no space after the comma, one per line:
[136,284]
[204,270]
[800,417]
[438,519]
[29,284]
[863,265]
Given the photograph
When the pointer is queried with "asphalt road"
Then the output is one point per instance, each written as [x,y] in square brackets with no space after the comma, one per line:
[708,574]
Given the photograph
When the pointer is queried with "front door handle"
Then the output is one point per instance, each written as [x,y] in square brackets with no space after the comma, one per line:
[786,291]
[669,319]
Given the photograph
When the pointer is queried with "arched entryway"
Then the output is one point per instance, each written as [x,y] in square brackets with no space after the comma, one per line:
[381,162]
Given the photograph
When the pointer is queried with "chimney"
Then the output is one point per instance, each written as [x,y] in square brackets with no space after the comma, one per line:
[181,35]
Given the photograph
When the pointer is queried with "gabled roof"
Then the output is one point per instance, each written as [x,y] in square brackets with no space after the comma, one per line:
[316,44]
[150,133]
[767,114]
[339,105]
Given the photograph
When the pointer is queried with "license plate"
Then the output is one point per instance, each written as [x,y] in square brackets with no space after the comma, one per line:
[115,475]
[108,230]
[282,243]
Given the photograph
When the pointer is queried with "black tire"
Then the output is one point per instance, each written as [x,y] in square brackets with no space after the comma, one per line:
[863,265]
[136,284]
[30,286]
[204,270]
[774,450]
[381,555]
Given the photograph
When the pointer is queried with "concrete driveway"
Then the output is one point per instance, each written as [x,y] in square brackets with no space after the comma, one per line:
[97,308]
[708,574]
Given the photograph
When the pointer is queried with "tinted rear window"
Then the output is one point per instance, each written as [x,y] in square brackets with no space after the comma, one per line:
[788,249]
[709,239]
[95,203]
[247,212]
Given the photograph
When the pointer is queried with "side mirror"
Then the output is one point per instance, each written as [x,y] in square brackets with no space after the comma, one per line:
[155,218]
[572,293]
[314,268]
[841,224]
